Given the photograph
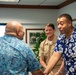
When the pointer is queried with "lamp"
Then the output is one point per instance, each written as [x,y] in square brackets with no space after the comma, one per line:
[9,0]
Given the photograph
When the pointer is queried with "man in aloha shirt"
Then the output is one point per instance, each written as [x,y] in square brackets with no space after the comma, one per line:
[16,57]
[65,46]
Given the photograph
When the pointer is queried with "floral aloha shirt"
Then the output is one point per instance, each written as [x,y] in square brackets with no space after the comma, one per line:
[16,57]
[68,49]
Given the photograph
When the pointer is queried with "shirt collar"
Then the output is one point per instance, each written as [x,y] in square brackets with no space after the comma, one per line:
[53,41]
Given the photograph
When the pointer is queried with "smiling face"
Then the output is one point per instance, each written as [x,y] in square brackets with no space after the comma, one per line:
[49,31]
[63,25]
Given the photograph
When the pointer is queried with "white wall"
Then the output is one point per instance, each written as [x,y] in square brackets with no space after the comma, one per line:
[70,9]
[28,15]
[31,18]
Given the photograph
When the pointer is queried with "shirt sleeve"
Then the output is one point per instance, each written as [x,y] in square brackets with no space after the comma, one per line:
[60,45]
[41,50]
[33,63]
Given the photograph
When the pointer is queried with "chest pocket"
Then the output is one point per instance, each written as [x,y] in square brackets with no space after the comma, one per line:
[48,51]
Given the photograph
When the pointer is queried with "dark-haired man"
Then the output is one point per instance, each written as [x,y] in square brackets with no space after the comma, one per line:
[65,46]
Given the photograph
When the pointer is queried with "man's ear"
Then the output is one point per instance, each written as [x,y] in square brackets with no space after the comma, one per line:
[70,23]
[17,32]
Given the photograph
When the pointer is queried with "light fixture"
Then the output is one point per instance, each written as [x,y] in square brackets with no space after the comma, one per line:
[9,0]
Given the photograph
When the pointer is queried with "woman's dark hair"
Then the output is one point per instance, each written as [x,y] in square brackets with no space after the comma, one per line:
[50,25]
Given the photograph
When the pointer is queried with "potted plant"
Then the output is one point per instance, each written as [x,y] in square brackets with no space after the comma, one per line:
[39,39]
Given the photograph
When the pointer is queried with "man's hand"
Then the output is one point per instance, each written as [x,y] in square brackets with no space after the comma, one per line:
[38,72]
[58,73]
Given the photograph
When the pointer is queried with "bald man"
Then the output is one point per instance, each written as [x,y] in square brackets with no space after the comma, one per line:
[16,57]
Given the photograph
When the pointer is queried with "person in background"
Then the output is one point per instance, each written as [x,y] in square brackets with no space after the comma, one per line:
[47,49]
[16,57]
[65,46]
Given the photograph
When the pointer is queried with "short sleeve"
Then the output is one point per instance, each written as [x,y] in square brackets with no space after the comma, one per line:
[60,45]
[33,63]
[41,49]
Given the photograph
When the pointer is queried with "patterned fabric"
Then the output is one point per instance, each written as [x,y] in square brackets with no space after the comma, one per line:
[16,57]
[68,49]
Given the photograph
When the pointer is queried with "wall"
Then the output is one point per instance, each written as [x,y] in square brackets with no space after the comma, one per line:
[31,18]
[28,15]
[70,9]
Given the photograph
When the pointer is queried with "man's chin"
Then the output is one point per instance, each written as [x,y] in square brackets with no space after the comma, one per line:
[21,38]
[61,33]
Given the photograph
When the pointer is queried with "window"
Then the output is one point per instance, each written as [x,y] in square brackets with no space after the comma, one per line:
[2,30]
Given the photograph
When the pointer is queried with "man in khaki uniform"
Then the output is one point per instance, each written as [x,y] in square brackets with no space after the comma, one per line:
[47,48]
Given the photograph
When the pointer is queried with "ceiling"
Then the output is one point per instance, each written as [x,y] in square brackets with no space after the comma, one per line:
[37,4]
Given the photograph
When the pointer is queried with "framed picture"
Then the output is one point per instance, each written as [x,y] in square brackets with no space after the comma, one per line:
[32,35]
[74,22]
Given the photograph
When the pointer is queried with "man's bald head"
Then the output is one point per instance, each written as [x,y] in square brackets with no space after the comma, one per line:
[14,28]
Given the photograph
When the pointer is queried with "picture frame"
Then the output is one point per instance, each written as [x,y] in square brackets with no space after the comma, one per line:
[32,34]
[74,22]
